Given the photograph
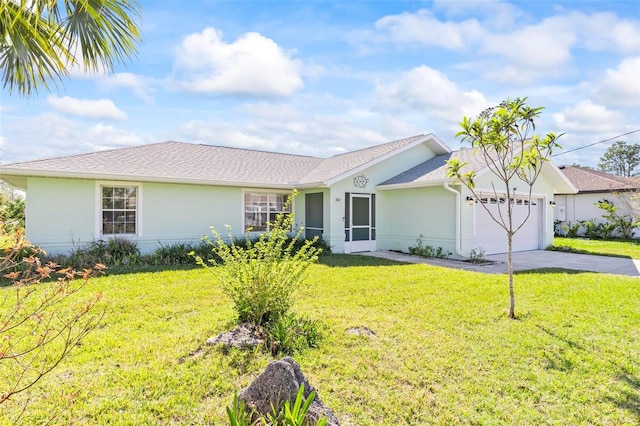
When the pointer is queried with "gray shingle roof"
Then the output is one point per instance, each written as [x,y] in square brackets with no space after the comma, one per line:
[186,162]
[343,163]
[179,161]
[589,180]
[434,170]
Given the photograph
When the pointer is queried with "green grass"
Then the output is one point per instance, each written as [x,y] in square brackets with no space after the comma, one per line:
[445,352]
[630,249]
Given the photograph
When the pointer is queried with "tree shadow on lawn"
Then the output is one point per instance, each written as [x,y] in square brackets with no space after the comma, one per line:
[628,397]
[347,260]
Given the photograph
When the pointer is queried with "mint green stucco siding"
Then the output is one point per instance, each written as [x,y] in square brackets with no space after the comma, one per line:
[60,213]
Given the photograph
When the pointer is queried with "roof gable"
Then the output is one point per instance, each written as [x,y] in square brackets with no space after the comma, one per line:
[434,172]
[338,167]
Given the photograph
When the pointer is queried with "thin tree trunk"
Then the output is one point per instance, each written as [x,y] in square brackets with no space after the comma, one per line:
[512,295]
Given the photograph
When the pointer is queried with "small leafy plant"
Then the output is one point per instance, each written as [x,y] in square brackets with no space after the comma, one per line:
[289,333]
[423,250]
[477,255]
[285,415]
[261,276]
[591,229]
[572,229]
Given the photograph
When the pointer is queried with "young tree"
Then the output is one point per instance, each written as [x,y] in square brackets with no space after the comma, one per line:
[41,319]
[621,159]
[515,156]
[42,39]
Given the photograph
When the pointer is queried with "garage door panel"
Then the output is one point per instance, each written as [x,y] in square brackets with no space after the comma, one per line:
[492,237]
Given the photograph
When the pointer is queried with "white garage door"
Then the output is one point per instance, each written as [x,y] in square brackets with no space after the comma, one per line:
[492,237]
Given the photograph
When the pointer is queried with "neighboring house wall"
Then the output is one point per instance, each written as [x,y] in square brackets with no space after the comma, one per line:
[582,207]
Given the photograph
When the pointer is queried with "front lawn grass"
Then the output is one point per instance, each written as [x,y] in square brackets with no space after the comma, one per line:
[628,248]
[445,352]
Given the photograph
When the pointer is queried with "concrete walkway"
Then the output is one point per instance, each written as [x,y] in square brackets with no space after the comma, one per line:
[527,260]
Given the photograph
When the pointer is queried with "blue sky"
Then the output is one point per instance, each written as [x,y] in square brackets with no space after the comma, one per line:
[321,78]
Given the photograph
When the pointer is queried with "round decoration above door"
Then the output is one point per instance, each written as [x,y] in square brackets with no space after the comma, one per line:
[360,181]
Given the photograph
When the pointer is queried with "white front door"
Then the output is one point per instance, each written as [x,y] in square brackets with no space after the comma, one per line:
[361,230]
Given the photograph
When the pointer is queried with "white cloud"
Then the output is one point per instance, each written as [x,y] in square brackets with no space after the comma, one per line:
[495,13]
[251,65]
[101,137]
[605,32]
[424,28]
[431,92]
[102,109]
[505,46]
[543,47]
[50,135]
[621,86]
[138,85]
[588,117]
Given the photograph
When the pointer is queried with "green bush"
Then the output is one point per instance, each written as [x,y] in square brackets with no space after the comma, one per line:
[261,276]
[113,252]
[12,213]
[592,230]
[572,229]
[423,250]
[176,254]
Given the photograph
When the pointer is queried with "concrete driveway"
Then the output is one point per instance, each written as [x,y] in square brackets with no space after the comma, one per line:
[526,260]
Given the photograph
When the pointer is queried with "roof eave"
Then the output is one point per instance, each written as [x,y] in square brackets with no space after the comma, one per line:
[414,184]
[12,176]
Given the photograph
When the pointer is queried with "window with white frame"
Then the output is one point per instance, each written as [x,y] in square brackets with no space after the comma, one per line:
[119,210]
[260,208]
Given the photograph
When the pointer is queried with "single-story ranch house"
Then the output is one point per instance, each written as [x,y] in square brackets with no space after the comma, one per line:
[385,197]
[593,186]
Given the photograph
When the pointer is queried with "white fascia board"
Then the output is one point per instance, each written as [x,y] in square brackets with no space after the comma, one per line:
[436,146]
[417,184]
[564,179]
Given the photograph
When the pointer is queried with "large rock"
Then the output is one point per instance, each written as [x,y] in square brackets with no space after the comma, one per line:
[280,382]
[244,336]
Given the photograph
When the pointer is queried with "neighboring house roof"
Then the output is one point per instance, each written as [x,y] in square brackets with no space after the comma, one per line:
[434,172]
[206,164]
[587,180]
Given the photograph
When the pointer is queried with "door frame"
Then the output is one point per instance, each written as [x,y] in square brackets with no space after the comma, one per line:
[361,245]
